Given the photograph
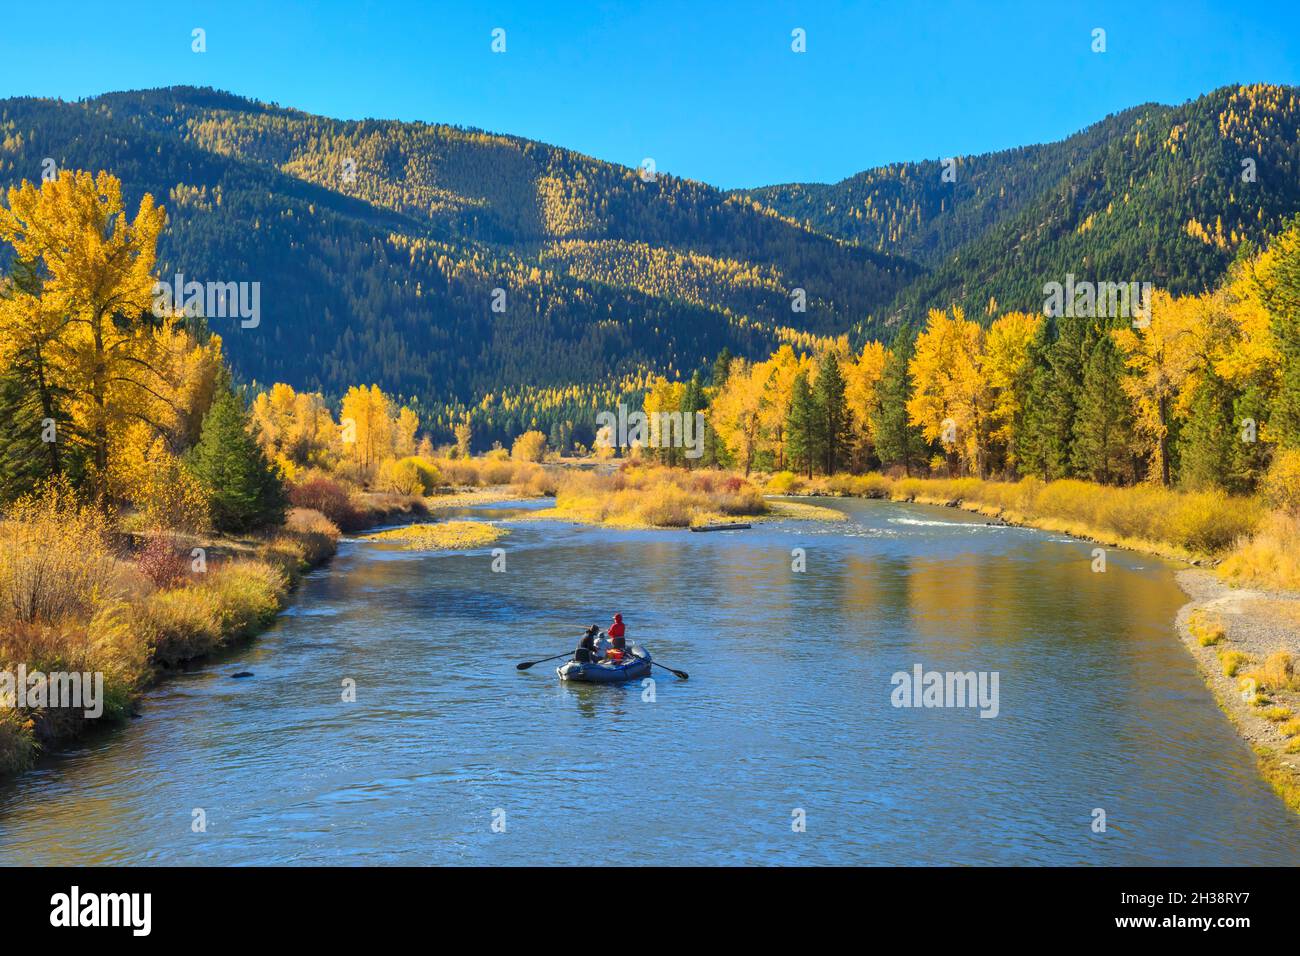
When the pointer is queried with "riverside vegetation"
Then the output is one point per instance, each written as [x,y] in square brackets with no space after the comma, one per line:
[1178,434]
[151,514]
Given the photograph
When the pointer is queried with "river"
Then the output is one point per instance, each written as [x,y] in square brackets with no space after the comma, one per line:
[783,746]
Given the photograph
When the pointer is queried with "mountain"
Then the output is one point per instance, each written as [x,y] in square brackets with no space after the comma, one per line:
[911,209]
[389,275]
[1155,193]
[380,245]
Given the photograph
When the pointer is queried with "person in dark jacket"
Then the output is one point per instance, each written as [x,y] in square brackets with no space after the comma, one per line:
[586,652]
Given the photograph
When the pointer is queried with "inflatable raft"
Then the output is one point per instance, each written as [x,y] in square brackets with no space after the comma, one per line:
[635,665]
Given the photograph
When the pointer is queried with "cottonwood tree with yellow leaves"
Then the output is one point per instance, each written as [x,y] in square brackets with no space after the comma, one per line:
[951,400]
[95,269]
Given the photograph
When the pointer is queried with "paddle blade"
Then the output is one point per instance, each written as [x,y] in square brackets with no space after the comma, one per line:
[525,665]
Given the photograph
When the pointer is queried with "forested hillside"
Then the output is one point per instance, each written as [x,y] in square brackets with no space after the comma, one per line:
[911,209]
[1157,194]
[380,245]
[389,275]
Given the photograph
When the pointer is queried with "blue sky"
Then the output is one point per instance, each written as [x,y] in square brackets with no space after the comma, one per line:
[709,90]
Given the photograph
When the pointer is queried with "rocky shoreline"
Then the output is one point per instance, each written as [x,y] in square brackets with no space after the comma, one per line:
[1256,624]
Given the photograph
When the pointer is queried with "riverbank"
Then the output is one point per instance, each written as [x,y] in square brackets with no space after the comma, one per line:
[1195,527]
[137,607]
[1245,640]
[1246,644]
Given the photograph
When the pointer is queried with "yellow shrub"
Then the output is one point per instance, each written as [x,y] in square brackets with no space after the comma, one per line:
[1209,522]
[1207,629]
[1270,557]
[1232,662]
[180,624]
[1281,487]
[56,557]
[530,446]
[400,477]
[784,483]
[655,497]
[248,595]
[1277,673]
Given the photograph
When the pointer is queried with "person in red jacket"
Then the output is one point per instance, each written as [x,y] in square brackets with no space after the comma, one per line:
[618,643]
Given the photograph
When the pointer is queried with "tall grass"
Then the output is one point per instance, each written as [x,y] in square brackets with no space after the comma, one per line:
[57,560]
[1269,558]
[1203,523]
[655,497]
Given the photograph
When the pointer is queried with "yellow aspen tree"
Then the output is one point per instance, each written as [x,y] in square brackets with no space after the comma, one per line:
[365,424]
[950,398]
[463,433]
[98,279]
[862,391]
[782,369]
[404,429]
[1160,355]
[736,410]
[1007,365]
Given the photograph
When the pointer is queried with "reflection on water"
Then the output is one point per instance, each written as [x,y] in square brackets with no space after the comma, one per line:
[788,706]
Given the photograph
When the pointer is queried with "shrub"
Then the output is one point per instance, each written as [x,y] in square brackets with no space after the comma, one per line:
[430,479]
[1209,522]
[784,483]
[1207,630]
[1281,486]
[1277,673]
[655,497]
[400,477]
[248,595]
[180,625]
[1270,557]
[1232,662]
[162,562]
[871,486]
[17,741]
[56,559]
[1276,714]
[330,498]
[530,446]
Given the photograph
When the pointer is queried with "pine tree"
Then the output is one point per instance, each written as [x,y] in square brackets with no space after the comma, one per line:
[1057,379]
[721,368]
[692,402]
[1279,289]
[898,441]
[802,426]
[1206,440]
[834,434]
[244,490]
[1102,431]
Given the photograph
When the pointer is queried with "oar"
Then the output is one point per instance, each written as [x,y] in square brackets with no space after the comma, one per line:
[682,674]
[527,664]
